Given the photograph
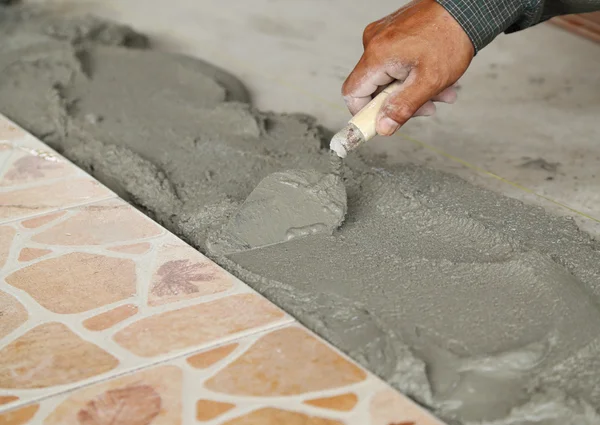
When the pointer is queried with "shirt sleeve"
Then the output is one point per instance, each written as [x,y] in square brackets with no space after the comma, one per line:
[483,20]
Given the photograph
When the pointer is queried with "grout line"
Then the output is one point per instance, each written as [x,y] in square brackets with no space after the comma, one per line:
[286,321]
[108,197]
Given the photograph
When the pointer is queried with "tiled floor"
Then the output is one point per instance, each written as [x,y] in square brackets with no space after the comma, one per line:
[107,318]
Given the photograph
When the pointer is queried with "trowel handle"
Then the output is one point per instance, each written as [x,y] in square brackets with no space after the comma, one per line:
[366,118]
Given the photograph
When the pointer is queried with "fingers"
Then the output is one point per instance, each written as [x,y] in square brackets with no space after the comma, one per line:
[365,80]
[427,110]
[404,103]
[448,95]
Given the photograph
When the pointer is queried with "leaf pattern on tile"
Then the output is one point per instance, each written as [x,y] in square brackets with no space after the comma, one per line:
[12,314]
[259,373]
[176,277]
[30,168]
[19,416]
[133,405]
[102,223]
[151,396]
[273,416]
[7,235]
[184,273]
[77,282]
[21,203]
[51,354]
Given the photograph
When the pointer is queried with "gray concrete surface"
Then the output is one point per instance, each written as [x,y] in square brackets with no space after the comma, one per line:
[528,111]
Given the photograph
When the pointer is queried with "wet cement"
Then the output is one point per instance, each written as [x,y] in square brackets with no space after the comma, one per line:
[285,205]
[478,306]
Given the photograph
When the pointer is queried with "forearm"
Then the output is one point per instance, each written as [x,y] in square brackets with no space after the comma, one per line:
[483,20]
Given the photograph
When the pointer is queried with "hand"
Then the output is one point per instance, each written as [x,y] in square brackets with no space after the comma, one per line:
[420,44]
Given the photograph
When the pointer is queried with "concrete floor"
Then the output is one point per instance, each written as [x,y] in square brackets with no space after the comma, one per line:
[528,111]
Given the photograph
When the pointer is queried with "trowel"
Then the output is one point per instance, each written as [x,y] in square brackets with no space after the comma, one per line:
[285,205]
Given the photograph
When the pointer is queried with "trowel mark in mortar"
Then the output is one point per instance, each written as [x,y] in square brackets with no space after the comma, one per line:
[284,206]
[548,406]
[474,388]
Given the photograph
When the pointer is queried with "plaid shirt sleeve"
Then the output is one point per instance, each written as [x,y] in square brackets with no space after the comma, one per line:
[483,20]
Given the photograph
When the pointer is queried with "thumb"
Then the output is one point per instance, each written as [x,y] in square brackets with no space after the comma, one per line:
[403,103]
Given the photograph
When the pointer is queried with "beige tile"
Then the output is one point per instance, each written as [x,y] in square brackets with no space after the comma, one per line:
[19,416]
[138,248]
[208,358]
[7,399]
[101,223]
[390,407]
[9,131]
[32,223]
[343,402]
[274,416]
[28,254]
[12,314]
[77,282]
[49,355]
[182,390]
[21,203]
[109,319]
[270,367]
[207,410]
[197,325]
[7,234]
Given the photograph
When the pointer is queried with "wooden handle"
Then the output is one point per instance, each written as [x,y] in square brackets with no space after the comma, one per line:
[366,118]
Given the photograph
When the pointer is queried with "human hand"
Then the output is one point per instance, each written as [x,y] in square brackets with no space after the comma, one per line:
[420,44]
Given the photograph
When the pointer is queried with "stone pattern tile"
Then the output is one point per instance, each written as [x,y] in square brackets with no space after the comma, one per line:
[101,289]
[282,376]
[34,179]
[107,318]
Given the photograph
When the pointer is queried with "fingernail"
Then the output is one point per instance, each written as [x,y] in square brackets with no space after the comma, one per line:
[387,126]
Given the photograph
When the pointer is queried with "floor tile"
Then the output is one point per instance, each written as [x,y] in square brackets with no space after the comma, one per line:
[34,179]
[10,131]
[282,376]
[98,290]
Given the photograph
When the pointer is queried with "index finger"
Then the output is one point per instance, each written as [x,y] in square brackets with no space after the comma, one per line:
[362,83]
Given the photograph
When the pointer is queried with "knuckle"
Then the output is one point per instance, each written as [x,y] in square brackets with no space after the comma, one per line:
[367,34]
[400,110]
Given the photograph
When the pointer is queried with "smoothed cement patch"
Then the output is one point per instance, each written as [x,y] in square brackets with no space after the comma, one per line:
[480,307]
